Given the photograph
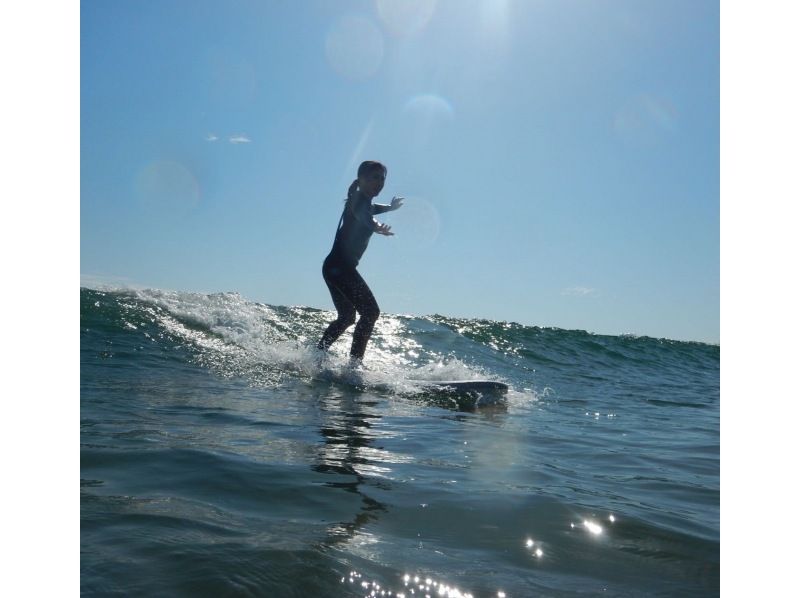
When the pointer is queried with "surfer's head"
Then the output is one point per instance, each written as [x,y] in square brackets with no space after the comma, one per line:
[371,176]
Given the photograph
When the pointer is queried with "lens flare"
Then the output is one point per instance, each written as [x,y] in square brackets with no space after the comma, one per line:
[167,186]
[417,224]
[429,105]
[425,116]
[354,47]
[645,119]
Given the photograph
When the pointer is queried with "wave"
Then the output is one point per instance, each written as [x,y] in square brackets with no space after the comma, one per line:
[265,343]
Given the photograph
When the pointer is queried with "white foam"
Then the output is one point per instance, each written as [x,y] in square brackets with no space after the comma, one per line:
[265,344]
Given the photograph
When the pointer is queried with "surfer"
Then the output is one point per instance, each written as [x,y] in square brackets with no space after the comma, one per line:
[349,291]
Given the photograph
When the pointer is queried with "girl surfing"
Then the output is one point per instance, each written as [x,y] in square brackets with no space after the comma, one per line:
[348,289]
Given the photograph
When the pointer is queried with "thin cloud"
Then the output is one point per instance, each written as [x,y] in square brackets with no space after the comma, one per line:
[211,137]
[579,292]
[239,139]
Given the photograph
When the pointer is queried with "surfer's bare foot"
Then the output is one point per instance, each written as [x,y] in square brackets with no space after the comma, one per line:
[318,357]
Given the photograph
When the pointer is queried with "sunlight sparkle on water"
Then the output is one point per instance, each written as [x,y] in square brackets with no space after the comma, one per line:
[593,527]
[414,587]
[529,543]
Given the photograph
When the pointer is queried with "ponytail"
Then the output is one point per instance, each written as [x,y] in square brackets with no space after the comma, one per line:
[351,192]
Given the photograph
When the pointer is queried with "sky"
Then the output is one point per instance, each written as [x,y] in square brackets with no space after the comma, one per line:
[560,160]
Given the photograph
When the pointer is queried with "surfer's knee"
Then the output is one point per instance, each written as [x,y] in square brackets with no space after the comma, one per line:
[371,313]
[347,320]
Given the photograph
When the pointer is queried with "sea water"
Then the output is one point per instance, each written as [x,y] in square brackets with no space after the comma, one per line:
[221,455]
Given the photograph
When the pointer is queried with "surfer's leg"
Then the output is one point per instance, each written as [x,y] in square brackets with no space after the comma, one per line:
[368,312]
[346,316]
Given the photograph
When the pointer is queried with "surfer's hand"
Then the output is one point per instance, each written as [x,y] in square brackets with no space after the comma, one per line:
[396,203]
[383,229]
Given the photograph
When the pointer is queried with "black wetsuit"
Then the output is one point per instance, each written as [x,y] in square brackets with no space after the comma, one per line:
[349,291]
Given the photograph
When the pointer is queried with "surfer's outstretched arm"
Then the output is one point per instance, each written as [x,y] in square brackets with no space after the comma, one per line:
[383,229]
[380,208]
[372,224]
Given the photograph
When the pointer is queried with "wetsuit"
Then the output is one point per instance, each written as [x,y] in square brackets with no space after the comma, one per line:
[349,291]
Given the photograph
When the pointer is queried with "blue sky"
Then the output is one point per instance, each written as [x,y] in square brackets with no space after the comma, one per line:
[559,160]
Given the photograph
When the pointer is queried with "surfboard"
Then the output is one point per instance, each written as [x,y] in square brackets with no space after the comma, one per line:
[464,386]
[464,395]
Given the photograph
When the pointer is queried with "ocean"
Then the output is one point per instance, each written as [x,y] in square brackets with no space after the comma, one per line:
[221,457]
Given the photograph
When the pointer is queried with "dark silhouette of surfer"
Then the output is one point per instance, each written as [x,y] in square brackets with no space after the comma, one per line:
[349,291]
